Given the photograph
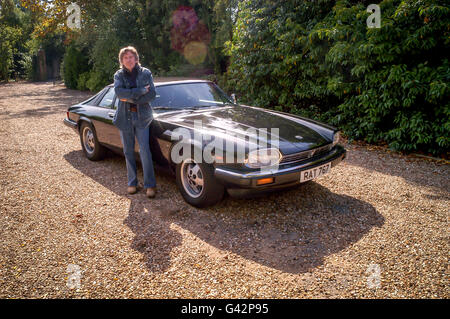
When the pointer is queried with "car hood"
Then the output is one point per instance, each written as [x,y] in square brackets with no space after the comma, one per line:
[294,134]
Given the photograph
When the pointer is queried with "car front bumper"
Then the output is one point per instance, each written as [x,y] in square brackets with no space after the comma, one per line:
[242,184]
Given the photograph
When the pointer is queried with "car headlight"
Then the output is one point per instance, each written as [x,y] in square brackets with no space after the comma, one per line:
[263,157]
[336,137]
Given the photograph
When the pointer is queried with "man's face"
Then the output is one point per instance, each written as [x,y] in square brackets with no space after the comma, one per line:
[129,60]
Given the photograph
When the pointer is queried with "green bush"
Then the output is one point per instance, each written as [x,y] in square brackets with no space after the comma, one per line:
[96,81]
[9,37]
[75,63]
[319,59]
[82,81]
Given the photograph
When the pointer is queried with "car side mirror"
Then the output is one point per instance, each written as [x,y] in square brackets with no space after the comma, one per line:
[233,97]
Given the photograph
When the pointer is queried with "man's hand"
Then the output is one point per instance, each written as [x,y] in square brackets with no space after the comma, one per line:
[147,87]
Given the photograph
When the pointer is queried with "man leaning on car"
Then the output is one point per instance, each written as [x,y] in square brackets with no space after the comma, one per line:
[134,87]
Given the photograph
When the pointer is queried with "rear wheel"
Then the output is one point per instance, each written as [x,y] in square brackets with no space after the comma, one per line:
[89,143]
[197,183]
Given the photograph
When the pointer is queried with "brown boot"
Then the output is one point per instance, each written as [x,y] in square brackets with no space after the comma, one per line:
[151,192]
[132,189]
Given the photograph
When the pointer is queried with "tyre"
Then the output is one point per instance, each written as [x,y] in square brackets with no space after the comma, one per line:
[197,183]
[93,150]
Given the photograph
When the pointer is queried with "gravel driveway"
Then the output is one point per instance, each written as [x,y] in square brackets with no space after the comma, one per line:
[376,226]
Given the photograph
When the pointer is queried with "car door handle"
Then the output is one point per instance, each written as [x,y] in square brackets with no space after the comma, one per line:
[111,114]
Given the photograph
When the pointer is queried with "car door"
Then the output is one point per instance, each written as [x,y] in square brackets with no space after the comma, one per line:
[114,134]
[107,133]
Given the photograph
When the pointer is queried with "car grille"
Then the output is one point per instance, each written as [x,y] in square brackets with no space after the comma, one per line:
[296,157]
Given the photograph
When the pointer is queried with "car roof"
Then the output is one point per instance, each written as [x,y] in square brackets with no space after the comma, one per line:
[163,81]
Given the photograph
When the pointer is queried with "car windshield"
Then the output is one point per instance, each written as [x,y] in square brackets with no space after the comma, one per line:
[189,96]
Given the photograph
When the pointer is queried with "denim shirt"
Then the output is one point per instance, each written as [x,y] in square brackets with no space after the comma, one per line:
[138,96]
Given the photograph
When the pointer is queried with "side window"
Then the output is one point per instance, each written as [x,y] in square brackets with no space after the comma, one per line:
[89,101]
[108,99]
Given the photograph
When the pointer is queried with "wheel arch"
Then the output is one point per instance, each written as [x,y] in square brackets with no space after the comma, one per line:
[87,120]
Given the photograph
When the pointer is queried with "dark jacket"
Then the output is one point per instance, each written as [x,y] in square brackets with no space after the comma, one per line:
[138,95]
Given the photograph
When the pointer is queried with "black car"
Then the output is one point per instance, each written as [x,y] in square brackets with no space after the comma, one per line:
[286,150]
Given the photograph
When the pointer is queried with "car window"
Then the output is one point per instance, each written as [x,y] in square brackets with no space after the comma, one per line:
[107,100]
[188,95]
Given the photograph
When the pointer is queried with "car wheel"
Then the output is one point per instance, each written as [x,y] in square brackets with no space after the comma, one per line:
[197,183]
[90,144]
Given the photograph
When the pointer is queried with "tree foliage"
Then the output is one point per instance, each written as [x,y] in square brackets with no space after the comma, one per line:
[75,64]
[173,37]
[317,58]
[14,29]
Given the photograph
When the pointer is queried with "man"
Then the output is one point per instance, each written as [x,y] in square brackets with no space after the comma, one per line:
[134,87]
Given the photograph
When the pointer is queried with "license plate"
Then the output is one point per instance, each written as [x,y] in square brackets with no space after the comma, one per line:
[315,172]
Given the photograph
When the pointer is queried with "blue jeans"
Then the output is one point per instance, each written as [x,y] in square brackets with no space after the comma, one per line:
[128,142]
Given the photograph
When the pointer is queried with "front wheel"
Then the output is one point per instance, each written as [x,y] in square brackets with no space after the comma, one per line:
[197,183]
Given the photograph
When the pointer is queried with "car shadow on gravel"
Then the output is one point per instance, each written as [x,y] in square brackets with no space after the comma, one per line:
[291,231]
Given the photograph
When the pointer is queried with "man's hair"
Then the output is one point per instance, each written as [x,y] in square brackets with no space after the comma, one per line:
[128,49]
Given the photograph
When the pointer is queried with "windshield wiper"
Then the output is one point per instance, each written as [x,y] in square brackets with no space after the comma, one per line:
[197,107]
[166,108]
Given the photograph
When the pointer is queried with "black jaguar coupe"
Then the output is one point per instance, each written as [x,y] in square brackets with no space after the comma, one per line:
[212,143]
